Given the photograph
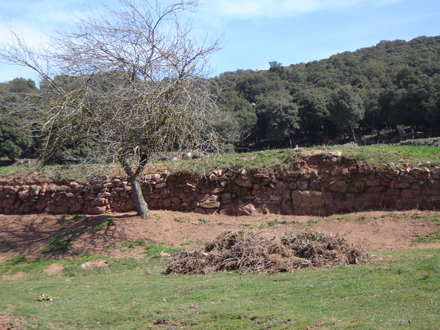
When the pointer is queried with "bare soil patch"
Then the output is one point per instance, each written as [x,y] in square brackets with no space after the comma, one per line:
[30,234]
[16,322]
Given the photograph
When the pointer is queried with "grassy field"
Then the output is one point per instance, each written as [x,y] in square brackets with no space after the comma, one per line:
[379,156]
[401,292]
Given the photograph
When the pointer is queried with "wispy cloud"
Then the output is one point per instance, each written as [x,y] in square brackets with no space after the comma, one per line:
[281,8]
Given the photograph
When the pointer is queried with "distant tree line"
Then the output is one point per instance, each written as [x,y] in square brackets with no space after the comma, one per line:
[393,85]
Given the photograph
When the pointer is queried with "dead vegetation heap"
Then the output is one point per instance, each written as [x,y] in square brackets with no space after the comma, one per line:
[255,252]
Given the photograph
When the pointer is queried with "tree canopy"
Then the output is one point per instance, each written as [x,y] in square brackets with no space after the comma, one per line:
[125,82]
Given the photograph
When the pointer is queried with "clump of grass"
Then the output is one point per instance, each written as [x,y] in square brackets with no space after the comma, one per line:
[59,243]
[311,222]
[16,260]
[109,247]
[154,250]
[180,220]
[130,244]
[432,237]
[105,223]
[393,215]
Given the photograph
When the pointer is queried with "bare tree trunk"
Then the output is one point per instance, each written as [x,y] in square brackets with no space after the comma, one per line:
[139,202]
[135,179]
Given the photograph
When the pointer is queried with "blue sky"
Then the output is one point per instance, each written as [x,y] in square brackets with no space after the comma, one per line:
[256,32]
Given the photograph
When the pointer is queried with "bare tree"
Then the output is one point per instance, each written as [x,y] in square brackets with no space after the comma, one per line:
[127,82]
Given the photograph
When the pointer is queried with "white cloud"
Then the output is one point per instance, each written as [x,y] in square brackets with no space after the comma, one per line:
[279,8]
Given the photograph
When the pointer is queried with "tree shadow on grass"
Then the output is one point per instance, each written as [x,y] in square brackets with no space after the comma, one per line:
[53,237]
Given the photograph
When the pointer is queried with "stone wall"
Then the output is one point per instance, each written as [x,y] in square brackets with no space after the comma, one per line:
[314,185]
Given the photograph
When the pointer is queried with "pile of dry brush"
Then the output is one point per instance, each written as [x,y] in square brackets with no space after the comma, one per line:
[249,252]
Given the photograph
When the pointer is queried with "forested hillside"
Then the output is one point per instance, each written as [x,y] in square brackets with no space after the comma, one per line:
[393,85]
[393,88]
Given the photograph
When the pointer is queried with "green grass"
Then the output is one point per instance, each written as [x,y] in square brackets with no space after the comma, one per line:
[60,243]
[399,155]
[432,237]
[378,156]
[398,293]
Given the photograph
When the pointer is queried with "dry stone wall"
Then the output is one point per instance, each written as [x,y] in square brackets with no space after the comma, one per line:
[315,185]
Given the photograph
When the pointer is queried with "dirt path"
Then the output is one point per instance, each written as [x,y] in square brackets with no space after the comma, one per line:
[29,234]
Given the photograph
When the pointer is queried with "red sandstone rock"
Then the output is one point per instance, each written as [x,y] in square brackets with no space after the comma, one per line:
[405,177]
[75,208]
[339,186]
[99,202]
[97,210]
[410,194]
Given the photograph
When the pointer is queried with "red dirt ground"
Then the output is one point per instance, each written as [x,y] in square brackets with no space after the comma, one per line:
[374,231]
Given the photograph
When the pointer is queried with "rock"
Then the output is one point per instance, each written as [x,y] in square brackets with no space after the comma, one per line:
[279,188]
[373,183]
[226,198]
[244,183]
[156,177]
[393,193]
[209,205]
[75,208]
[405,178]
[303,185]
[339,186]
[248,209]
[406,194]
[357,187]
[99,202]
[376,189]
[421,173]
[242,191]
[34,190]
[218,190]
[97,263]
[160,185]
[435,173]
[402,185]
[97,210]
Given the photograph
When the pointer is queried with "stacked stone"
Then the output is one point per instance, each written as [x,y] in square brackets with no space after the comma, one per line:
[328,187]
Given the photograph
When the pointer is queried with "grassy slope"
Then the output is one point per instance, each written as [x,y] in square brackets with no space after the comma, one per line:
[399,292]
[378,156]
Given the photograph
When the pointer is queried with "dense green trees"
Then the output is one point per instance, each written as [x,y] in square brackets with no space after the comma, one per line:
[13,141]
[346,109]
[15,138]
[394,83]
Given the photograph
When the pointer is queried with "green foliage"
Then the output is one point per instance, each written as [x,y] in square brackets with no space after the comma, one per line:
[14,140]
[346,108]
[376,88]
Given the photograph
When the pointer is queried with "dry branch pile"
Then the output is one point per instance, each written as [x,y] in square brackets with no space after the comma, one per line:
[247,251]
